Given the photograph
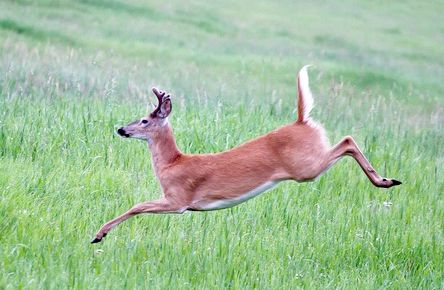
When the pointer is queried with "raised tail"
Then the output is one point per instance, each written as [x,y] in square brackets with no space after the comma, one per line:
[305,98]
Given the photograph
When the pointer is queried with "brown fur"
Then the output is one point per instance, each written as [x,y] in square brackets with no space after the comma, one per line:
[298,151]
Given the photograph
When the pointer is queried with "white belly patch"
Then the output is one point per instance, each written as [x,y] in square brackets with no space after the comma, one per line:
[226,203]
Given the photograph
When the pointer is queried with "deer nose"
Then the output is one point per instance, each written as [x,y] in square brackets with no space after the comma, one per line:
[121,132]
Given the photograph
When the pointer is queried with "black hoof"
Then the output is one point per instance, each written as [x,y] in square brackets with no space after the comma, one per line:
[96,240]
[396,182]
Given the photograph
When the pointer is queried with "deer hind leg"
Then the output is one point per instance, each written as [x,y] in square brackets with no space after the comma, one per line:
[156,206]
[349,147]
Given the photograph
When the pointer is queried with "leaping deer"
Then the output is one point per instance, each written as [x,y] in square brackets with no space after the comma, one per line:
[299,151]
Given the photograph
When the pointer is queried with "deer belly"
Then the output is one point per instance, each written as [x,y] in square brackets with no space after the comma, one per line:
[226,203]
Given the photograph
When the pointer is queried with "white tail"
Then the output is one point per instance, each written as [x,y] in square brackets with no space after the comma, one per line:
[305,98]
[201,182]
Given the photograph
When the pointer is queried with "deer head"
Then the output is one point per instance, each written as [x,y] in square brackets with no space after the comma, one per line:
[146,126]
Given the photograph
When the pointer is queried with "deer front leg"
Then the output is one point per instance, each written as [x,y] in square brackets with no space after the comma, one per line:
[349,147]
[155,206]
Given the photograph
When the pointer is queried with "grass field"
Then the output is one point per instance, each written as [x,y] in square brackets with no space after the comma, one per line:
[71,72]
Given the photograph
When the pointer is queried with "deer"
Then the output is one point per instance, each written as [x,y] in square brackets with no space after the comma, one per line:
[299,151]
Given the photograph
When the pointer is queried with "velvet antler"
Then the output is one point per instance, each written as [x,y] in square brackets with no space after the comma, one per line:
[160,98]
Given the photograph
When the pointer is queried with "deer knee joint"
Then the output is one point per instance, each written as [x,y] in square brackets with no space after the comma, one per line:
[348,140]
[350,147]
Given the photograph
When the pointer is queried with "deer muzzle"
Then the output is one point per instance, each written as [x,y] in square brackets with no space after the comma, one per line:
[123,133]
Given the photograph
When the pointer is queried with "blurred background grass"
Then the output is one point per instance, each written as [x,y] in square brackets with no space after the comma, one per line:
[72,71]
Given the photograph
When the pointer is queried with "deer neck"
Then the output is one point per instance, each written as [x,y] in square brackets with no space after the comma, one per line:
[163,148]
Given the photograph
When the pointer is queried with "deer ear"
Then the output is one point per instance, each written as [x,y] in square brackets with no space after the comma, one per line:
[165,108]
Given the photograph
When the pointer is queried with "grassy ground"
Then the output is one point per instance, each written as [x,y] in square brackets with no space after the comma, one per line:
[72,71]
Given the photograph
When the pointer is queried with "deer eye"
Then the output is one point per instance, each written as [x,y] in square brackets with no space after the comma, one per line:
[144,121]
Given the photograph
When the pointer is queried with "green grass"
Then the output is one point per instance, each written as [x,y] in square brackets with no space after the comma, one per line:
[72,71]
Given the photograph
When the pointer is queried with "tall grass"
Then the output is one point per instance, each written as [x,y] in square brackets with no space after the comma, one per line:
[71,72]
